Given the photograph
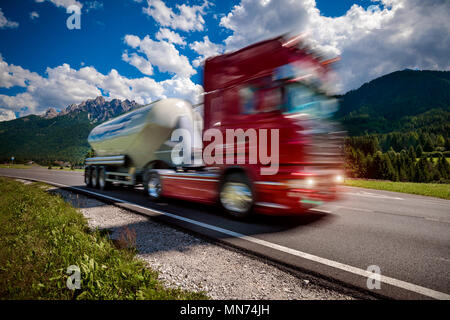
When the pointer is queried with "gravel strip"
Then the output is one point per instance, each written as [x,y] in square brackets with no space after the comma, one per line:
[192,263]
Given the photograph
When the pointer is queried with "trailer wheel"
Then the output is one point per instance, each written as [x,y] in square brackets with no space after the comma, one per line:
[236,196]
[94,177]
[87,176]
[102,183]
[152,185]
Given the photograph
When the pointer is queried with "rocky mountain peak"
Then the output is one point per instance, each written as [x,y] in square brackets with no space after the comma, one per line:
[50,113]
[99,109]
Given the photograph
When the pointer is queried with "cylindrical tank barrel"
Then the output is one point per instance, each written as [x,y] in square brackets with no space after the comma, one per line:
[143,135]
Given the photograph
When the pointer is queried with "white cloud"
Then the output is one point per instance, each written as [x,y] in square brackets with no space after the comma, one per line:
[132,41]
[139,62]
[5,23]
[388,36]
[254,20]
[34,15]
[171,36]
[189,17]
[11,75]
[182,88]
[205,49]
[163,55]
[63,3]
[6,115]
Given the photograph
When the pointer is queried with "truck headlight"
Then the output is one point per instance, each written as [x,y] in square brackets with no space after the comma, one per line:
[307,183]
[339,178]
[310,182]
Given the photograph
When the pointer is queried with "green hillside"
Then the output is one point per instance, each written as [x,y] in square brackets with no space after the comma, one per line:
[39,139]
[399,127]
[402,101]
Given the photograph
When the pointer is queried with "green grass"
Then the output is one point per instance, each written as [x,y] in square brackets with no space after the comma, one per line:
[27,166]
[41,235]
[15,166]
[425,189]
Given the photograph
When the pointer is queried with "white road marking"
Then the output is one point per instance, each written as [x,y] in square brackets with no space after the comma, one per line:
[320,210]
[356,209]
[341,266]
[372,195]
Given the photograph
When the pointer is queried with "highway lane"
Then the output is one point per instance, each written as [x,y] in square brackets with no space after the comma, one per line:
[407,236]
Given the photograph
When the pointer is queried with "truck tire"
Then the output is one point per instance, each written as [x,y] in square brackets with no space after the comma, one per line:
[236,196]
[102,183]
[87,176]
[94,177]
[152,185]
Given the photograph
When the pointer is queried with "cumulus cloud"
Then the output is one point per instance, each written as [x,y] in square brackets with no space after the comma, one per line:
[189,17]
[254,20]
[182,88]
[6,115]
[139,62]
[163,55]
[11,75]
[63,3]
[387,36]
[5,23]
[171,36]
[205,49]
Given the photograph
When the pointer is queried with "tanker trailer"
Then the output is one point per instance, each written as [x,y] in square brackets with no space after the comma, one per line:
[127,146]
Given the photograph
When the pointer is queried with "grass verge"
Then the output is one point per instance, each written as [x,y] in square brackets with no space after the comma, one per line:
[425,189]
[41,236]
[15,166]
[28,166]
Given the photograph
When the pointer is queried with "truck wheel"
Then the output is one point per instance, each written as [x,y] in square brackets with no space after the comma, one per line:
[152,185]
[87,176]
[94,177]
[102,183]
[236,196]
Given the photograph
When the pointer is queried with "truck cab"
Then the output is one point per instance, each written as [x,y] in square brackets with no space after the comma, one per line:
[272,85]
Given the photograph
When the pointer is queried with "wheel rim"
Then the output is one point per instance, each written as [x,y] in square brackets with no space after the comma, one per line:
[236,197]
[154,186]
[86,176]
[101,179]
[94,178]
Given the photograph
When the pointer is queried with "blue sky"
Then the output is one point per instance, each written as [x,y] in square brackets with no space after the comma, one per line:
[99,42]
[145,50]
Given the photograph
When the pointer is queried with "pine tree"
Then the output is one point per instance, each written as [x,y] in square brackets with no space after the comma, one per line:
[412,153]
[419,151]
[443,167]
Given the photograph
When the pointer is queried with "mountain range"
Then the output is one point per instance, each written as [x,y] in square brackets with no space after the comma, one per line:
[403,101]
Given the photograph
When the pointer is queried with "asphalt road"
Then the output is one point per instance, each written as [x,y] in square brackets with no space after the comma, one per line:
[406,236]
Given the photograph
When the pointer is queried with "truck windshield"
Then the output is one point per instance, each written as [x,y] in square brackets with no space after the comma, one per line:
[299,98]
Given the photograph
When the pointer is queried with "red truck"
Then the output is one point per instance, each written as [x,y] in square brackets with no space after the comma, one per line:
[267,142]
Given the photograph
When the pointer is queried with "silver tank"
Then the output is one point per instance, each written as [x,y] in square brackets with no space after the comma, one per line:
[144,134]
